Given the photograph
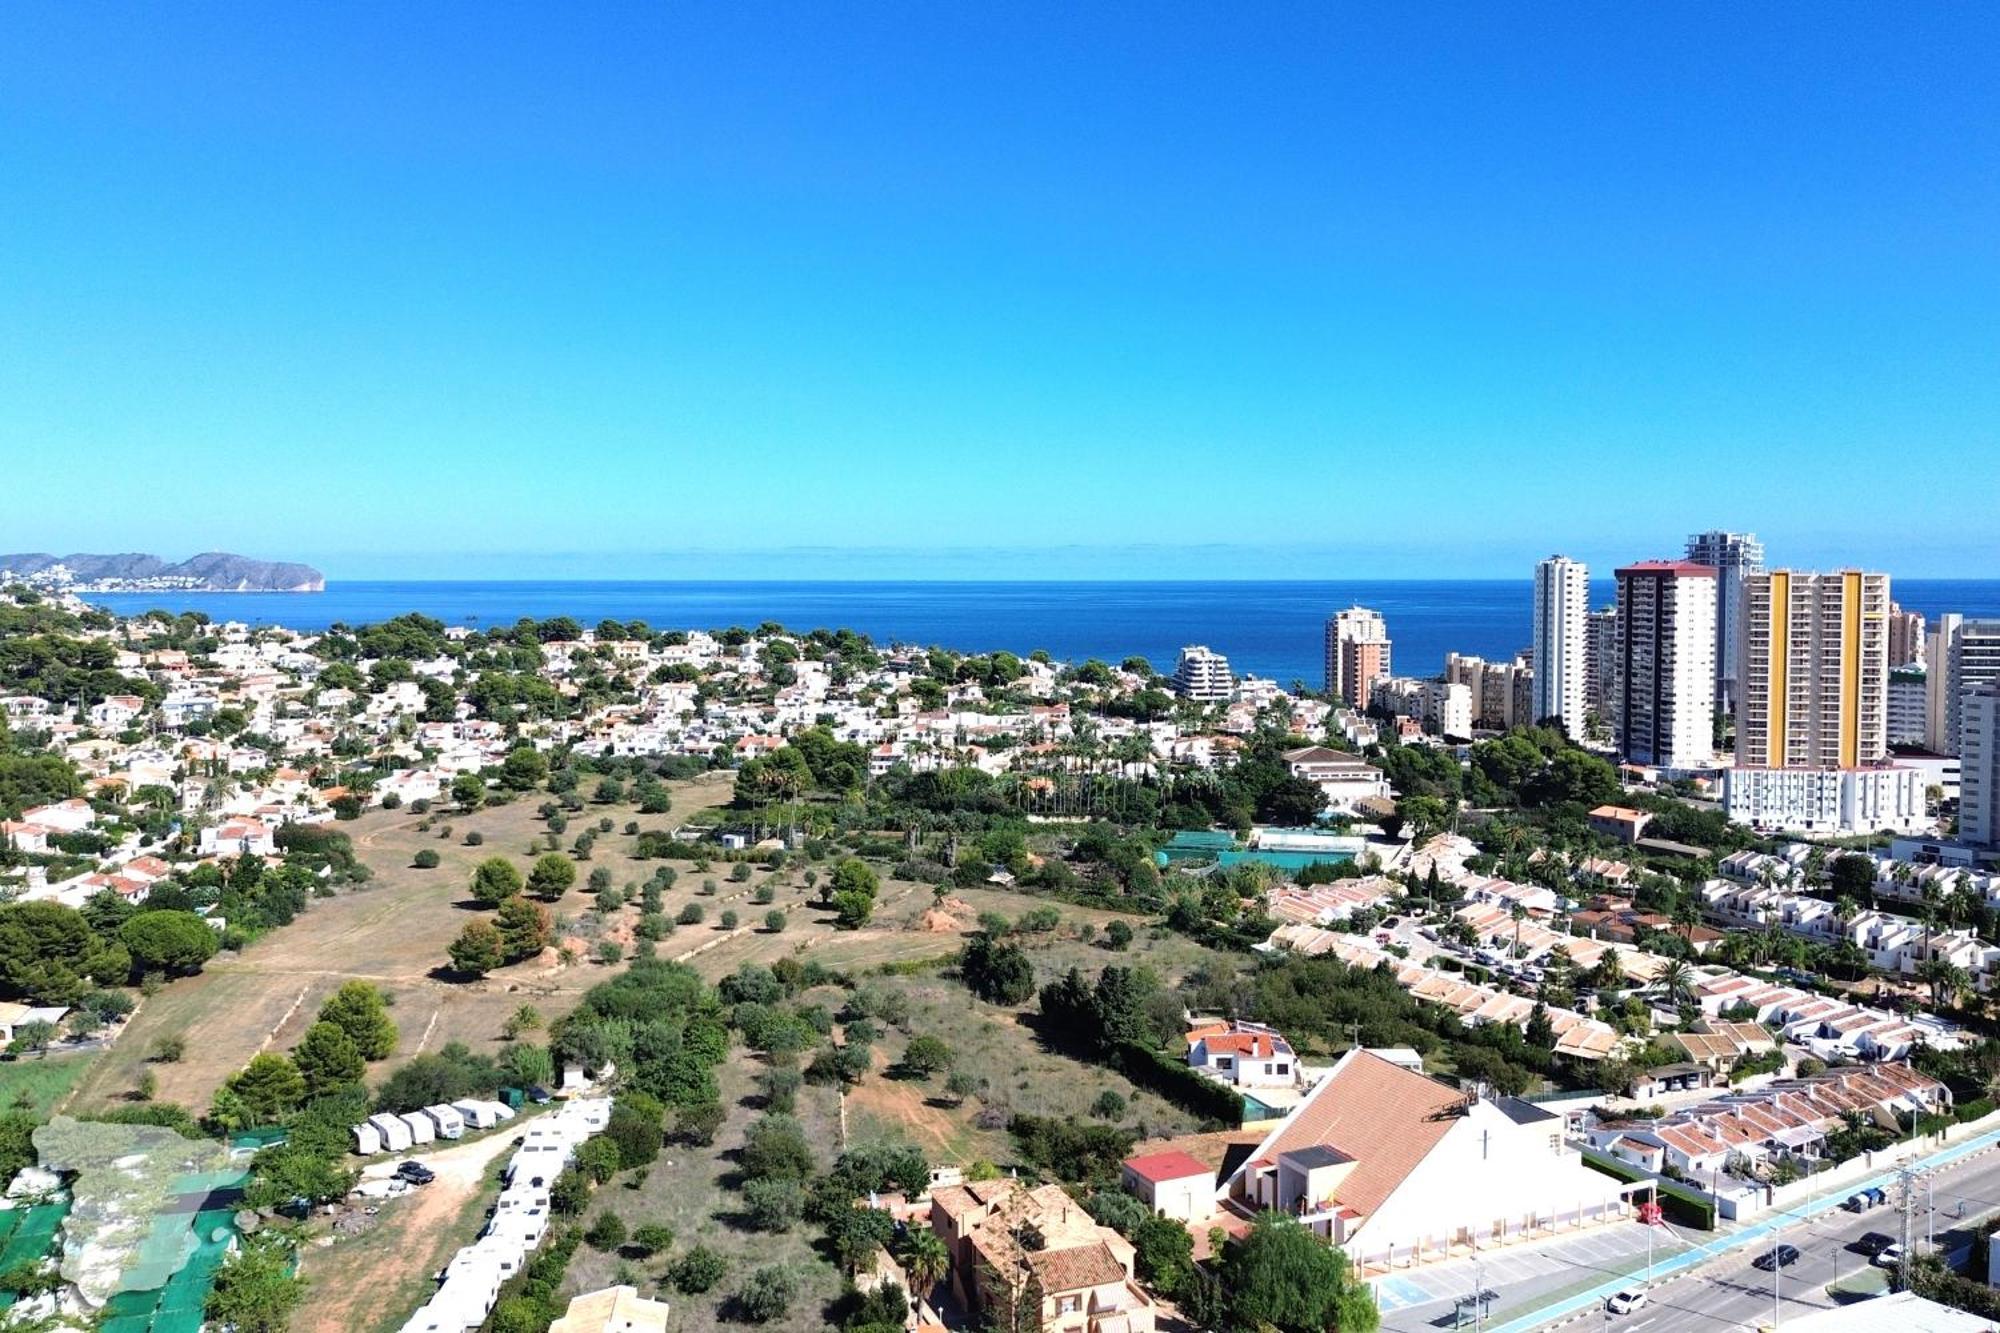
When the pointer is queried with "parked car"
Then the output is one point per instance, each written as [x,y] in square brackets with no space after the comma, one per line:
[1876,1197]
[1873,1243]
[1889,1256]
[1784,1256]
[416,1173]
[1855,1203]
[1626,1301]
[540,1095]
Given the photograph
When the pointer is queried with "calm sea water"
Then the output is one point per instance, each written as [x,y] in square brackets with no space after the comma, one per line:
[1272,629]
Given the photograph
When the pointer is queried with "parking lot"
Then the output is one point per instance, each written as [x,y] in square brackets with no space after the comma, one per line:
[1519,1276]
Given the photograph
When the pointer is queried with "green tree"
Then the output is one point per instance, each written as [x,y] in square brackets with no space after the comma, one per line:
[926,1055]
[852,910]
[494,881]
[263,1091]
[359,1009]
[699,1270]
[168,941]
[1283,1276]
[652,1238]
[523,769]
[607,1232]
[326,1058]
[477,950]
[255,1290]
[524,928]
[552,876]
[774,922]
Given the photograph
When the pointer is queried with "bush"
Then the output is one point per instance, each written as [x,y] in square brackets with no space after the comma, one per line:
[1110,1105]
[767,1294]
[651,1239]
[691,915]
[774,921]
[606,1233]
[1118,935]
[426,859]
[474,838]
[699,1270]
[727,920]
[774,1205]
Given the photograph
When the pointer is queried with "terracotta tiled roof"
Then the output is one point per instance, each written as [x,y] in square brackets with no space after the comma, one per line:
[1383,1116]
[1071,1269]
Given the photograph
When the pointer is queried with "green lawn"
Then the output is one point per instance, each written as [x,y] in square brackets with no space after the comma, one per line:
[37,1083]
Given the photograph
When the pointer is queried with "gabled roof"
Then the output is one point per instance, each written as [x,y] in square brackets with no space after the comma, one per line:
[1381,1115]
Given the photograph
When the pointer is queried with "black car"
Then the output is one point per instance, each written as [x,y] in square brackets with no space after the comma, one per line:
[1782,1257]
[416,1173]
[1873,1244]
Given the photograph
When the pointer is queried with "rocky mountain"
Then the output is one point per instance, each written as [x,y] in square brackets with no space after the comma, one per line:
[212,571]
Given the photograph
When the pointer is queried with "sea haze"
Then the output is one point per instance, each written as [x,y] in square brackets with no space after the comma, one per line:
[1268,628]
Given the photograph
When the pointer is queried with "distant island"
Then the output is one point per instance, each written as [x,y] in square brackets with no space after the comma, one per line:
[212,571]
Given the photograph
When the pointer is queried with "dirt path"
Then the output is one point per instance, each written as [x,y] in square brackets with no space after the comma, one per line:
[381,1277]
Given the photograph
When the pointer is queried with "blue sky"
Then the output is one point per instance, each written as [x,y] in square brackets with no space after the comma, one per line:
[981,291]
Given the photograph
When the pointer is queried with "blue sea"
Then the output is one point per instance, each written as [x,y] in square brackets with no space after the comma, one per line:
[1267,628]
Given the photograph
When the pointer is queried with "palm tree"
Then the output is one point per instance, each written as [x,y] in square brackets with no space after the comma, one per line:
[1517,914]
[1947,979]
[1676,982]
[925,1259]
[1687,915]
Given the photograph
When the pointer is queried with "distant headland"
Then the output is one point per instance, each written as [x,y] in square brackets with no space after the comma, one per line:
[212,571]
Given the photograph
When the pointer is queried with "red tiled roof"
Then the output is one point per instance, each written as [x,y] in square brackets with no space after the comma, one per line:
[1159,1166]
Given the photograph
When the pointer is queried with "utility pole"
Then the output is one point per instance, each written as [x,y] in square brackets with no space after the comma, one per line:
[1906,1185]
[1777,1275]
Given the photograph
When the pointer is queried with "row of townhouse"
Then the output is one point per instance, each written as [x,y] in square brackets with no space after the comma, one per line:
[1324,904]
[1897,944]
[1790,1118]
[1576,1034]
[1493,926]
[1831,1029]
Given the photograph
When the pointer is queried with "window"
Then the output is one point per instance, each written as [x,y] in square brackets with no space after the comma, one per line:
[1068,1304]
[1283,1068]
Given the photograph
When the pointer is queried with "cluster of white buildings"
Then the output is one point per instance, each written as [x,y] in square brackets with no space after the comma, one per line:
[472,1280]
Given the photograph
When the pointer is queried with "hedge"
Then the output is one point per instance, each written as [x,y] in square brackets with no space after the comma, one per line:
[1192,1092]
[1975,1109]
[1684,1205]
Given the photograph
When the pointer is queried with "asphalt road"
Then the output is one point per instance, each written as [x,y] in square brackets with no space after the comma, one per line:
[1733,1294]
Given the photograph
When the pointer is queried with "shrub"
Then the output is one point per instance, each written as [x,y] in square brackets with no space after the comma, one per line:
[472,839]
[1118,935]
[652,1238]
[1110,1105]
[763,894]
[426,859]
[607,1232]
[691,915]
[767,1294]
[699,1270]
[774,921]
[727,920]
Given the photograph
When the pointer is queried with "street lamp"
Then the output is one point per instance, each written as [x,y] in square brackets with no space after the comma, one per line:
[1777,1271]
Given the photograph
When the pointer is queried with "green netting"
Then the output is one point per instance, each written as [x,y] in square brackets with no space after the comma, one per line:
[9,1219]
[262,1137]
[34,1236]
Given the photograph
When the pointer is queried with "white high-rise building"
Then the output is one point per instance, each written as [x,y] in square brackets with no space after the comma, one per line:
[1666,664]
[1974,660]
[1203,675]
[1941,720]
[1562,642]
[1357,654]
[1979,766]
[1731,555]
[1909,691]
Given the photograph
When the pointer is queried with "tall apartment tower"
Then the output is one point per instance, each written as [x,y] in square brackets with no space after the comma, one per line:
[1979,766]
[1666,663]
[1203,675]
[1733,556]
[1974,661]
[1601,665]
[1906,638]
[1562,642]
[1815,670]
[1941,725]
[1357,654]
